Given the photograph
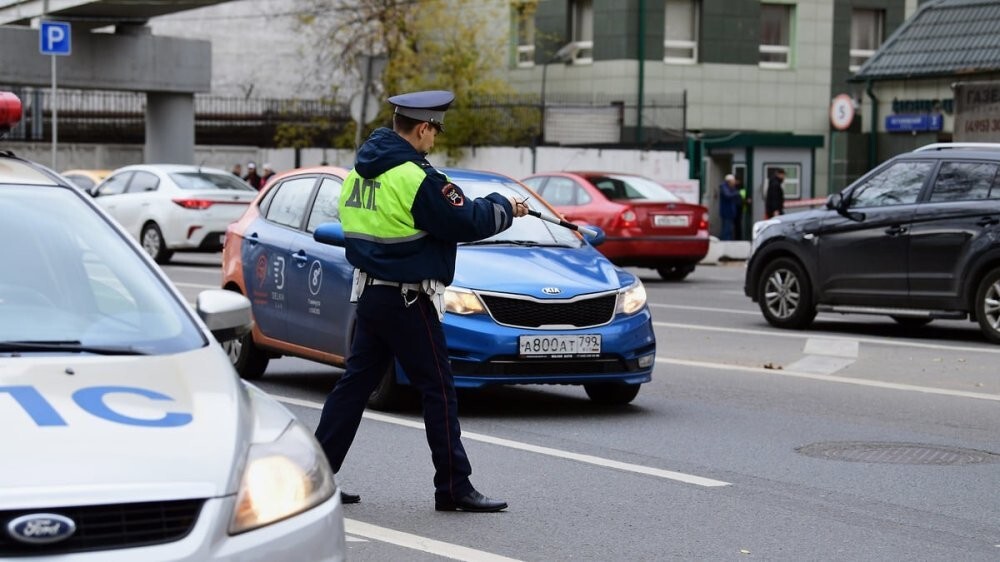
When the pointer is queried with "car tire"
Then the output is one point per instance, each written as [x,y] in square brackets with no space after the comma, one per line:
[611,393]
[911,321]
[248,359]
[674,272]
[151,239]
[784,294]
[987,305]
[389,395]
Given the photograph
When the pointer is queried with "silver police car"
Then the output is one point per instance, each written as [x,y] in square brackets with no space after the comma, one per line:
[126,433]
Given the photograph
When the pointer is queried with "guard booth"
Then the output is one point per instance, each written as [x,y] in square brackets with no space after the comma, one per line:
[751,157]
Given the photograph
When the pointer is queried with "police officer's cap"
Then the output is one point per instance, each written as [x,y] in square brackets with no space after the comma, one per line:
[426,106]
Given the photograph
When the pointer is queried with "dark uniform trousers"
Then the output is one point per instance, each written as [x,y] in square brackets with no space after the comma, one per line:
[386,329]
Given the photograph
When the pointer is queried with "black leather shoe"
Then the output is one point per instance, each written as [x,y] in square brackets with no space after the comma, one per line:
[347,497]
[473,501]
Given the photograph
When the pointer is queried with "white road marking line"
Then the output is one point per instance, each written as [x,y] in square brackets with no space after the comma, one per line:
[830,378]
[825,356]
[588,459]
[349,538]
[834,347]
[423,544]
[801,335]
[704,309]
[819,364]
[824,317]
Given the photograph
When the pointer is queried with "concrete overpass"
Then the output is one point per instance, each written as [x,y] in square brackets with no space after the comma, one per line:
[122,55]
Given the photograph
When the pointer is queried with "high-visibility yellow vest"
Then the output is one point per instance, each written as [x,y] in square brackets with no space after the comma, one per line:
[378,209]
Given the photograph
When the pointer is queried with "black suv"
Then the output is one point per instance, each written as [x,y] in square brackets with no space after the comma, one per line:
[915,239]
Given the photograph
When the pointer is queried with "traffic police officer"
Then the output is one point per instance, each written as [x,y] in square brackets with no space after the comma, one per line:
[402,222]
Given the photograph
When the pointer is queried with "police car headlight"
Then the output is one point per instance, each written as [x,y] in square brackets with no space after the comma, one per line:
[632,299]
[281,478]
[462,301]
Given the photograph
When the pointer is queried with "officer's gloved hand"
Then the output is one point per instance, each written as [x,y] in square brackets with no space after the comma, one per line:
[520,207]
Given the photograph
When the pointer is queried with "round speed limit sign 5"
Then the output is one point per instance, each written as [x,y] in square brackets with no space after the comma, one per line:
[842,112]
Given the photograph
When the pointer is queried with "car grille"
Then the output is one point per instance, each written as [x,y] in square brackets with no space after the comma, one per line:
[105,527]
[524,313]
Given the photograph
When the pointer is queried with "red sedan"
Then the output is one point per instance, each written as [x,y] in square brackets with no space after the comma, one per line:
[646,224]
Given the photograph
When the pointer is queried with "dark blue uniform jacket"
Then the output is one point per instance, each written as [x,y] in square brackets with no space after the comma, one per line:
[440,209]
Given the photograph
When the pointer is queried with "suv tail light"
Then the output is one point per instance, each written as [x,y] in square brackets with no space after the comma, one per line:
[196,204]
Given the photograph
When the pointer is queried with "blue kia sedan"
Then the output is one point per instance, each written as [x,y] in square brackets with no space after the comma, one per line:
[535,304]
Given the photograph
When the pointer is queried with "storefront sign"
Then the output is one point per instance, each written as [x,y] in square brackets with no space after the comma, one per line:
[913,123]
[977,115]
[923,106]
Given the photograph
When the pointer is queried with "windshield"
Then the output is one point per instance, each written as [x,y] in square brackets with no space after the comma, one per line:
[209,180]
[69,278]
[525,229]
[634,188]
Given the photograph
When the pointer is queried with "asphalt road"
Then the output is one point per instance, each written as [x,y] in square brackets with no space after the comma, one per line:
[854,440]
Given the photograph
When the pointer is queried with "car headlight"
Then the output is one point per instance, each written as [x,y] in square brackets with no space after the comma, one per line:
[462,301]
[632,299]
[281,478]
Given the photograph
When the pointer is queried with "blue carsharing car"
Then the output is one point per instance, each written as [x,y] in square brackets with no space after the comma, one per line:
[535,304]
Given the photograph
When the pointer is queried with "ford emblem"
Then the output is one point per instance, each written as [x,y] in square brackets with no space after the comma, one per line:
[551,290]
[41,528]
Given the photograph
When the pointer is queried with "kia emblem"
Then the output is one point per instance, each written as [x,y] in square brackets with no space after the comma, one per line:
[41,528]
[551,290]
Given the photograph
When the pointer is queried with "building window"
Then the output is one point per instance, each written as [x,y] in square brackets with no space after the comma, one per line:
[582,31]
[680,44]
[523,18]
[866,36]
[775,36]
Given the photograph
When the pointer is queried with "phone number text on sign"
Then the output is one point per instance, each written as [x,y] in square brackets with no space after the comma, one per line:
[560,346]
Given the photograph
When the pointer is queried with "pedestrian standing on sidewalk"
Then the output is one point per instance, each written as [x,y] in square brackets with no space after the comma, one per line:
[774,203]
[729,206]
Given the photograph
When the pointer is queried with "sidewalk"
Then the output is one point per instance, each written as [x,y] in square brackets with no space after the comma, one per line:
[719,251]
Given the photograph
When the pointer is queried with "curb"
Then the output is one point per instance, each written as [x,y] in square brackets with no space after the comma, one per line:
[730,250]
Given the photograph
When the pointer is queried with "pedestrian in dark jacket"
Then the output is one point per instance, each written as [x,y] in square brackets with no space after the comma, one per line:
[774,202]
[730,205]
[252,178]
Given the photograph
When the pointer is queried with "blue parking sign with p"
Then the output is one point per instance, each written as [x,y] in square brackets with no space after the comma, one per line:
[54,38]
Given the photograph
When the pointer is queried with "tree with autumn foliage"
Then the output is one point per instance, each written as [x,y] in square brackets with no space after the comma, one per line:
[454,45]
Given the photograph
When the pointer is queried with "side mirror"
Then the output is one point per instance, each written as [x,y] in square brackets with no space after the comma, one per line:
[596,237]
[226,313]
[331,233]
[837,202]
[834,201]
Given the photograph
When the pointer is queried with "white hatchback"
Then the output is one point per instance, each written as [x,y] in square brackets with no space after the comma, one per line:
[171,207]
[126,433]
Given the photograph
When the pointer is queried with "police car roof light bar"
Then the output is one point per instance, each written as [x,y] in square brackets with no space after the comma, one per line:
[10,111]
